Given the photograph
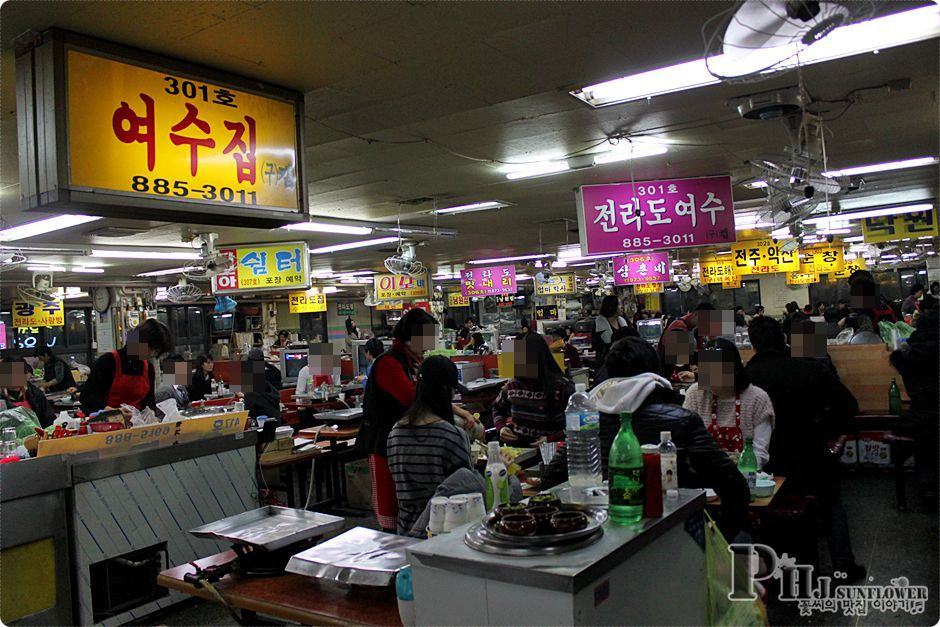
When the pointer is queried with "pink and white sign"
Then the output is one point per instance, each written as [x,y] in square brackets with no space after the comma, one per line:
[488,281]
[678,213]
[641,268]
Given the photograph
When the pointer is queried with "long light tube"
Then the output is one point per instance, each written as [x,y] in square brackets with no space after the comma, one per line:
[477,206]
[502,259]
[351,245]
[142,254]
[327,227]
[842,218]
[41,227]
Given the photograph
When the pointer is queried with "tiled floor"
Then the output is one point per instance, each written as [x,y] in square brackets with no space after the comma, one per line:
[888,542]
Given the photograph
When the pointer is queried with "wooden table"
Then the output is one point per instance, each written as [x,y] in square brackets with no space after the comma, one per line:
[339,447]
[763,501]
[291,597]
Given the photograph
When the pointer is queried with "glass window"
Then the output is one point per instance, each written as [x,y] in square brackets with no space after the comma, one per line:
[178,323]
[76,325]
[196,322]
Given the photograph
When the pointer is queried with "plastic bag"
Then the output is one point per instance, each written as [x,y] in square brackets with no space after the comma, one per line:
[718,572]
[22,419]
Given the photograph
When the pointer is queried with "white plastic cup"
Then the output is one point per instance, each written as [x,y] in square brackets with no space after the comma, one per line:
[438,513]
[456,513]
[476,507]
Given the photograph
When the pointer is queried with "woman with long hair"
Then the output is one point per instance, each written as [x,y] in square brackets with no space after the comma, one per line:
[531,407]
[425,447]
[202,378]
[607,322]
[731,407]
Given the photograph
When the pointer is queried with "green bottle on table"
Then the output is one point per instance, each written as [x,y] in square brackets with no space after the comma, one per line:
[625,467]
[894,398]
[747,464]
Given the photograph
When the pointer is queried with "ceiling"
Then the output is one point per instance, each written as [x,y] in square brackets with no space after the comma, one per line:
[415,100]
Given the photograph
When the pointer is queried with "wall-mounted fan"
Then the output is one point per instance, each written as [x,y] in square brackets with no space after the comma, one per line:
[210,263]
[41,291]
[183,292]
[10,258]
[404,261]
[756,38]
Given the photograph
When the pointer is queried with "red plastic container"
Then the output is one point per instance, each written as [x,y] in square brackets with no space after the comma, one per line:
[652,482]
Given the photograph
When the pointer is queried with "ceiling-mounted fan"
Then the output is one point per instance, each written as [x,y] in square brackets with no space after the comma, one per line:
[40,291]
[211,263]
[404,261]
[183,292]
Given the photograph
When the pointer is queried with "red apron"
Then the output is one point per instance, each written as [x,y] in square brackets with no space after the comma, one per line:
[729,439]
[128,389]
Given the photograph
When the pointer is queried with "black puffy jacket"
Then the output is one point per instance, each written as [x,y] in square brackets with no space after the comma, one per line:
[701,463]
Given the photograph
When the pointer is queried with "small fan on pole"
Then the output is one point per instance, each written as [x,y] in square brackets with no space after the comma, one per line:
[183,292]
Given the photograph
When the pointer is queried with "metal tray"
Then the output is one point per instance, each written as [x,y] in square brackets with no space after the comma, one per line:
[479,538]
[360,556]
[270,528]
[596,517]
[340,415]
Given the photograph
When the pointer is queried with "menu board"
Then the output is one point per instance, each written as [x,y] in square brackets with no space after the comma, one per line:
[677,213]
[762,256]
[488,281]
[906,225]
[559,283]
[641,268]
[306,302]
[27,315]
[264,267]
[401,286]
[714,269]
[456,299]
[822,258]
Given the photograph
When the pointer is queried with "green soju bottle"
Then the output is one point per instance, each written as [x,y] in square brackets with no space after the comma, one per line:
[894,398]
[626,475]
[747,464]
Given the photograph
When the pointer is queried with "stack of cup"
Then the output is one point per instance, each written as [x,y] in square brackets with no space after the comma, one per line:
[438,514]
[476,508]
[456,513]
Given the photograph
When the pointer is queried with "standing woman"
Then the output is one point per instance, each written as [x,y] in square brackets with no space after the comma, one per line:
[202,378]
[389,392]
[56,374]
[608,321]
[731,407]
[125,376]
[352,334]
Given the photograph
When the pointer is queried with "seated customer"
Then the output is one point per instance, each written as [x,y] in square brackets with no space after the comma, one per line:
[531,407]
[811,406]
[202,378]
[478,345]
[636,387]
[177,376]
[261,398]
[731,407]
[561,344]
[16,390]
[424,447]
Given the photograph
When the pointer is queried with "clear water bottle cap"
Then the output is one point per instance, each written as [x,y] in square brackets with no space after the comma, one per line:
[665,436]
[580,387]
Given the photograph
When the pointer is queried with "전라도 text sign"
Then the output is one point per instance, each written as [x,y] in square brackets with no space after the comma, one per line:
[488,281]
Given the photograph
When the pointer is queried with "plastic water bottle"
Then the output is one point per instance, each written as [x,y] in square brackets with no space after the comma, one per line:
[582,423]
[668,460]
[496,478]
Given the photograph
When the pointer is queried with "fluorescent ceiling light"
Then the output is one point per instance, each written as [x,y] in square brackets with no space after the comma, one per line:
[857,238]
[843,218]
[833,231]
[87,270]
[877,34]
[539,168]
[356,281]
[143,254]
[502,259]
[356,273]
[632,150]
[560,264]
[41,227]
[883,167]
[327,227]
[477,206]
[758,184]
[330,289]
[46,268]
[161,272]
[351,245]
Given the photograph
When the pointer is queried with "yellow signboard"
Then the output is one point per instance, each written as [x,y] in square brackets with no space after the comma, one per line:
[732,283]
[401,286]
[260,267]
[850,266]
[822,258]
[152,133]
[647,288]
[562,283]
[762,256]
[33,315]
[802,278]
[307,302]
[715,269]
[390,305]
[907,225]
[456,299]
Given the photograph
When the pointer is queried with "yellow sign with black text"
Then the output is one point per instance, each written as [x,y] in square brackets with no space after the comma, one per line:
[713,269]
[561,283]
[904,226]
[456,299]
[850,266]
[802,278]
[762,256]
[401,286]
[390,305]
[647,288]
[307,302]
[731,284]
[156,134]
[27,315]
[822,258]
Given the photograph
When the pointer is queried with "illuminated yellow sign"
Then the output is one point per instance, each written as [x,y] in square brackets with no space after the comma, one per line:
[261,267]
[822,258]
[390,305]
[731,284]
[34,315]
[456,299]
[163,135]
[647,288]
[563,283]
[802,278]
[850,266]
[307,302]
[762,256]
[715,269]
[904,226]
[401,286]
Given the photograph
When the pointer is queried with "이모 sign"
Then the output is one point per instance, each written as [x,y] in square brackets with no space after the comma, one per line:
[641,268]
[400,286]
[623,217]
[27,315]
[561,283]
[456,299]
[762,256]
[907,225]
[264,267]
[488,281]
[139,132]
[307,302]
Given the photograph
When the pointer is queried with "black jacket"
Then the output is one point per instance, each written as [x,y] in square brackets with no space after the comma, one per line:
[811,406]
[916,361]
[701,463]
[60,371]
[380,410]
[264,403]
[201,386]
